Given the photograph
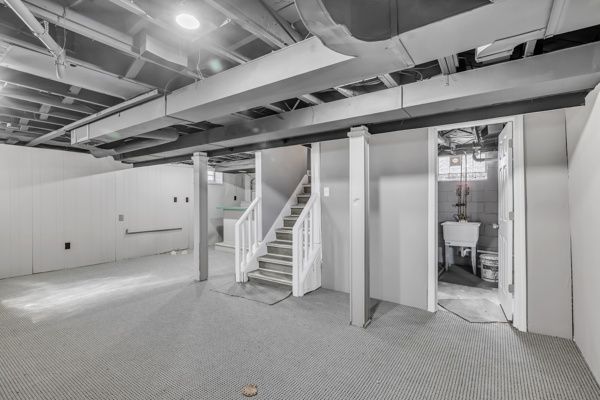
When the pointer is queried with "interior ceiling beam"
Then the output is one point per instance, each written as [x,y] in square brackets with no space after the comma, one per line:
[388,81]
[92,29]
[22,116]
[449,64]
[571,70]
[33,82]
[310,99]
[39,126]
[42,111]
[37,61]
[346,92]
[135,68]
[256,18]
[42,99]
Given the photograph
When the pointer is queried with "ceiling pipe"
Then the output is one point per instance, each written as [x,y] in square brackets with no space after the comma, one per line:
[41,32]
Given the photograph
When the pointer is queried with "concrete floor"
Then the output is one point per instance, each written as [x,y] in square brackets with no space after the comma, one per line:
[144,329]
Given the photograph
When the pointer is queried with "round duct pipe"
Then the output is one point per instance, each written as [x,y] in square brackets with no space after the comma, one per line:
[372,28]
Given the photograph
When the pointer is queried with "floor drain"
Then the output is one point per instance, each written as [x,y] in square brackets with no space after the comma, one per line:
[250,390]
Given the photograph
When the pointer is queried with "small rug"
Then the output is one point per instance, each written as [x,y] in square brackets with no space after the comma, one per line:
[259,292]
[474,310]
[459,276]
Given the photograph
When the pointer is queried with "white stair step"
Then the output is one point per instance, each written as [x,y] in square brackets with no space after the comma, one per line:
[276,271]
[261,277]
[286,244]
[276,259]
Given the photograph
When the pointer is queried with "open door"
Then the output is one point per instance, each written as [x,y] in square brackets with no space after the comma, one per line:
[505,219]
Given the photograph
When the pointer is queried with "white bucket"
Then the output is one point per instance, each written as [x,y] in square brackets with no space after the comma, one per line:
[489,267]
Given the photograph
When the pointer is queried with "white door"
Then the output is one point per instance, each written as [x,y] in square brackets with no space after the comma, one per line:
[505,220]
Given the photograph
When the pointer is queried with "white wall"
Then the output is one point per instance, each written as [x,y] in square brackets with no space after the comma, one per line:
[399,220]
[583,134]
[48,198]
[398,216]
[549,294]
[282,170]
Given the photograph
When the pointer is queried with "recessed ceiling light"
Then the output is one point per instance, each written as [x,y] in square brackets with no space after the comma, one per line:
[187,21]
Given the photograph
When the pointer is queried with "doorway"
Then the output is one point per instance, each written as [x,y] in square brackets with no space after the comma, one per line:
[476,221]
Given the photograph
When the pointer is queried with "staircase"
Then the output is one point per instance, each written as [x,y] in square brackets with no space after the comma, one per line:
[276,267]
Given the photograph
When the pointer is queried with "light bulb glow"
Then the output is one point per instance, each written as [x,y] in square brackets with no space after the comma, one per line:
[187,21]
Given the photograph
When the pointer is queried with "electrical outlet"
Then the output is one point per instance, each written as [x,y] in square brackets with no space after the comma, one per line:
[234,198]
[174,199]
[326,191]
[187,199]
[121,218]
[67,245]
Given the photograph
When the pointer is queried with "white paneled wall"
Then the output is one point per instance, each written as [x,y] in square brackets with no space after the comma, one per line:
[49,198]
[146,209]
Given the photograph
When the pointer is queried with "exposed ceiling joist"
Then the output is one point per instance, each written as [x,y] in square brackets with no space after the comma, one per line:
[85,26]
[42,111]
[388,80]
[23,116]
[29,81]
[37,61]
[449,64]
[135,68]
[32,97]
[346,92]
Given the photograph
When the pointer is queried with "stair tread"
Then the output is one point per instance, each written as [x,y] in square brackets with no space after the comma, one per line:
[299,205]
[276,271]
[276,259]
[291,217]
[284,230]
[259,276]
[280,243]
[304,195]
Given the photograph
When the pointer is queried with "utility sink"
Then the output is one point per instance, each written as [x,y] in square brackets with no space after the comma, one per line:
[461,233]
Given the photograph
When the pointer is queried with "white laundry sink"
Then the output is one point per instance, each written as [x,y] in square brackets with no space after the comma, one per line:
[461,233]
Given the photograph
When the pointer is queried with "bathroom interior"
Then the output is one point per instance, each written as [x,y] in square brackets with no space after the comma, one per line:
[468,218]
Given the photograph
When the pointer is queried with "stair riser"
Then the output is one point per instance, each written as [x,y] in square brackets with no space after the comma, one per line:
[273,266]
[307,189]
[283,236]
[302,200]
[296,211]
[289,223]
[279,250]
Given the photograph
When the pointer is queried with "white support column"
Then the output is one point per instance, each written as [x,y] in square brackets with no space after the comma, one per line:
[360,312]
[201,214]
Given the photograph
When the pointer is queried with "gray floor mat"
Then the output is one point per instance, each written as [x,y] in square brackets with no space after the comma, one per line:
[262,293]
[459,276]
[474,310]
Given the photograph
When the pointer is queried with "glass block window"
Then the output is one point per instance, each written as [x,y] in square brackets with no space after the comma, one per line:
[450,167]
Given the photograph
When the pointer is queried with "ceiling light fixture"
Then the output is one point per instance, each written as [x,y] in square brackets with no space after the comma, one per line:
[187,21]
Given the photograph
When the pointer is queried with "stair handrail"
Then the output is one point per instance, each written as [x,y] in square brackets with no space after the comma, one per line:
[247,240]
[306,246]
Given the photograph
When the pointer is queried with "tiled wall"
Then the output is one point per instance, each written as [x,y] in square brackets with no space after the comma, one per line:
[482,206]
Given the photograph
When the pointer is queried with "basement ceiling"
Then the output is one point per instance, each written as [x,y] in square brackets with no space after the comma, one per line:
[119,49]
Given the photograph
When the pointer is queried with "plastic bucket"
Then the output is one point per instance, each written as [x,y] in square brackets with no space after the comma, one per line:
[489,267]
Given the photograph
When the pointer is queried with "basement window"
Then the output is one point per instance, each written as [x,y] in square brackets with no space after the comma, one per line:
[450,168]
[215,178]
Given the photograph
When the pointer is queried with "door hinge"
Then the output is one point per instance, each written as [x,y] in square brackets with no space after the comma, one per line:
[511,216]
[511,288]
[510,143]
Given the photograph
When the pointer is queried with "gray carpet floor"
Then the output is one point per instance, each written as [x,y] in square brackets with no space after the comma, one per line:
[143,329]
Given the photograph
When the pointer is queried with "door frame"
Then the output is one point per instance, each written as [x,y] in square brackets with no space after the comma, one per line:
[519,236]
